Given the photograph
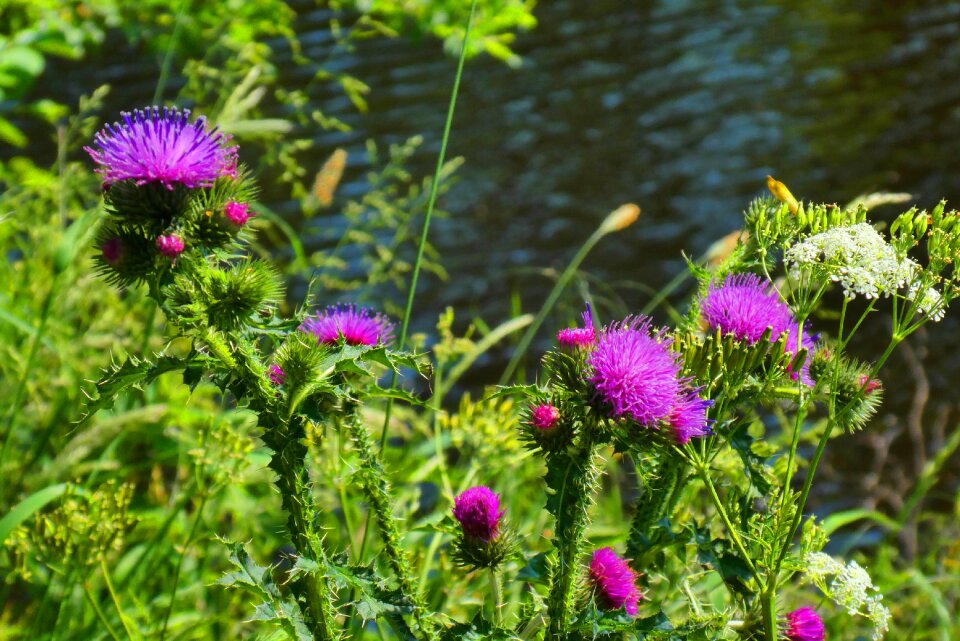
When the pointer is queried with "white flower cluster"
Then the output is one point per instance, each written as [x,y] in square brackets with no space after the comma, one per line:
[857,257]
[929,302]
[851,588]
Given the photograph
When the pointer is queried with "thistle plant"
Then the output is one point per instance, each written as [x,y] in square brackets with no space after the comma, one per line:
[710,414]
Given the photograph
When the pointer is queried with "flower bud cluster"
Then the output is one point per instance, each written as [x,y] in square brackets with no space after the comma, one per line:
[170,186]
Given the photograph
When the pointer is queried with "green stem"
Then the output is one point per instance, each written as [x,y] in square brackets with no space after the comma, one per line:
[377,489]
[183,554]
[547,307]
[768,605]
[574,500]
[168,55]
[657,502]
[116,601]
[496,589]
[722,511]
[98,611]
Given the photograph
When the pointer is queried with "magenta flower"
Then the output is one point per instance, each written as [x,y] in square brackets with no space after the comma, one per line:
[276,374]
[357,326]
[478,512]
[745,306]
[154,145]
[805,625]
[615,582]
[578,336]
[112,251]
[170,245]
[635,373]
[237,213]
[688,418]
[868,384]
[544,416]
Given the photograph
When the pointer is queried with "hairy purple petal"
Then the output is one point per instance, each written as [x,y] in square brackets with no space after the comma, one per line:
[688,418]
[578,336]
[544,416]
[478,512]
[357,325]
[635,373]
[615,582]
[161,145]
[744,305]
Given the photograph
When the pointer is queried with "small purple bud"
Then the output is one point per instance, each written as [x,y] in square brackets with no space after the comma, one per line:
[478,511]
[544,416]
[574,337]
[615,582]
[276,374]
[170,245]
[805,625]
[237,213]
[112,251]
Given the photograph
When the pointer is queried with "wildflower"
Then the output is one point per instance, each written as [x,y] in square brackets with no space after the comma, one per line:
[635,373]
[578,336]
[237,213]
[544,416]
[478,512]
[112,251]
[615,582]
[804,625]
[851,588]
[170,245]
[357,326]
[276,374]
[929,302]
[154,145]
[688,418]
[868,384]
[745,307]
[857,257]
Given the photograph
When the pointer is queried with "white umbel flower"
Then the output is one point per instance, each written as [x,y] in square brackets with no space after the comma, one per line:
[857,257]
[851,588]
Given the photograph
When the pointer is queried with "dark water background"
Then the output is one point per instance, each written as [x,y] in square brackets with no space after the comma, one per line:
[681,107]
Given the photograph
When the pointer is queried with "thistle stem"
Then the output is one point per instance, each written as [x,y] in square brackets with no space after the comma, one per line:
[496,589]
[574,501]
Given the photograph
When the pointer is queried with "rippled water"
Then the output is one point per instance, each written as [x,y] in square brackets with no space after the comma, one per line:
[681,107]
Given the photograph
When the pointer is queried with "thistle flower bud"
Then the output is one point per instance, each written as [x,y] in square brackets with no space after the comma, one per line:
[111,251]
[574,337]
[237,213]
[805,625]
[614,582]
[481,542]
[544,417]
[170,245]
[276,374]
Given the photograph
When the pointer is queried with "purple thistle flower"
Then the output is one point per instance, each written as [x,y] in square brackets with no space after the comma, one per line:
[170,245]
[358,326]
[745,306]
[154,145]
[478,512]
[574,337]
[237,213]
[615,581]
[688,418]
[635,373]
[805,625]
[544,416]
[112,251]
[276,374]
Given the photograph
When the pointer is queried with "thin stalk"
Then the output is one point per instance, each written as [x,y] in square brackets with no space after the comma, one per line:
[98,611]
[168,55]
[547,307]
[183,554]
[27,370]
[768,605]
[411,291]
[496,589]
[722,511]
[113,597]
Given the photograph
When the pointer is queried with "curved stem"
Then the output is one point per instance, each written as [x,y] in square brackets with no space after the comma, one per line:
[722,511]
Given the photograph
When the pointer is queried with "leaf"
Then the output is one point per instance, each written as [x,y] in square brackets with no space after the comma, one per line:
[134,372]
[536,570]
[28,507]
[838,520]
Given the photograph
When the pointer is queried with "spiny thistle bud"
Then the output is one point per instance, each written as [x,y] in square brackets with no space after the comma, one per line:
[237,213]
[111,251]
[482,541]
[614,582]
[235,294]
[545,428]
[544,416]
[805,625]
[276,375]
[125,257]
[578,337]
[170,245]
